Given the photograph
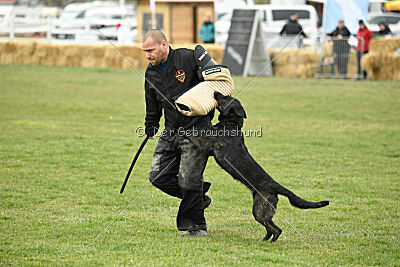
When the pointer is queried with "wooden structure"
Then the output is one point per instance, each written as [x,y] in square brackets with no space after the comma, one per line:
[179,20]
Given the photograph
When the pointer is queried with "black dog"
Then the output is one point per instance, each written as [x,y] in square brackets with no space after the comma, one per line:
[226,143]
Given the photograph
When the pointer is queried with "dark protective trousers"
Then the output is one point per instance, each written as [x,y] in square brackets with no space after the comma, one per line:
[177,169]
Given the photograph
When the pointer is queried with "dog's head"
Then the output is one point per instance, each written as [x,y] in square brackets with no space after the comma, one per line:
[231,111]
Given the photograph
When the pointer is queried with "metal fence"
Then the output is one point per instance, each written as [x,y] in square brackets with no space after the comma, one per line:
[337,57]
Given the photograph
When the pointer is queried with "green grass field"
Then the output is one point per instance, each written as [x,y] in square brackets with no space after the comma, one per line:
[67,139]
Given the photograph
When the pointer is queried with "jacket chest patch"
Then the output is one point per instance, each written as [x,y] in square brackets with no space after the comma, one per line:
[180,76]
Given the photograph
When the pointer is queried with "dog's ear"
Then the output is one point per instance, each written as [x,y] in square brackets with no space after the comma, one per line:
[217,95]
[239,111]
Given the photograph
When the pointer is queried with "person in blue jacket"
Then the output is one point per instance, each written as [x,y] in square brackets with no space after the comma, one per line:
[207,30]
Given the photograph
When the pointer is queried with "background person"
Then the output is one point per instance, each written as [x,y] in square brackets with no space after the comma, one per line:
[384,30]
[293,27]
[177,166]
[207,30]
[341,47]
[364,35]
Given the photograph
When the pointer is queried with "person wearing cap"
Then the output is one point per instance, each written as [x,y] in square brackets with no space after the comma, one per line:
[341,47]
[177,165]
[364,35]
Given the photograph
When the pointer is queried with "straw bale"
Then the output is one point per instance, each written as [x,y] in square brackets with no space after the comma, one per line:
[133,53]
[10,47]
[294,63]
[110,58]
[295,71]
[28,50]
[92,56]
[44,54]
[16,52]
[7,53]
[2,47]
[70,55]
[292,56]
[352,64]
[385,44]
[6,58]
[382,66]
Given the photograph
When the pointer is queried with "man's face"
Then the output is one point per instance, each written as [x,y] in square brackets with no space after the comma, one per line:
[293,17]
[341,24]
[155,53]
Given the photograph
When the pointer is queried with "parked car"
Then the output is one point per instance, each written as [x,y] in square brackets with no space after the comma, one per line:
[109,19]
[73,17]
[274,17]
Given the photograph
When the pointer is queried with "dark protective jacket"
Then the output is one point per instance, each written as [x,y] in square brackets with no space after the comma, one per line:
[292,28]
[163,87]
[341,46]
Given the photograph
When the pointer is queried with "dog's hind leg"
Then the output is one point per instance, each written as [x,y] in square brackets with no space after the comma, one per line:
[268,235]
[275,229]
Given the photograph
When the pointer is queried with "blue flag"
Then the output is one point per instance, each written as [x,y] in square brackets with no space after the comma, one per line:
[351,11]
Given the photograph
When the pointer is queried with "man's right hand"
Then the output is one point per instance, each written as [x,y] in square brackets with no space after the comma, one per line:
[151,132]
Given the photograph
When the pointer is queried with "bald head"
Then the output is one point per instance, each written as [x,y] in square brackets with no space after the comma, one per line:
[155,47]
[157,36]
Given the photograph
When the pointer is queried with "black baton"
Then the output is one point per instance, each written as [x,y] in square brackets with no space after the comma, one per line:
[133,163]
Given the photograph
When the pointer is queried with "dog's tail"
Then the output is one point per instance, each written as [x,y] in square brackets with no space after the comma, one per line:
[298,201]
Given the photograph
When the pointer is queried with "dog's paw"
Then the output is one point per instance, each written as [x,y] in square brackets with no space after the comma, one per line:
[267,237]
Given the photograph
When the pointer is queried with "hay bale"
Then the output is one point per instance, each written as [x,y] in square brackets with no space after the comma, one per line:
[8,51]
[293,63]
[13,52]
[44,54]
[2,46]
[28,51]
[111,58]
[385,44]
[131,52]
[93,56]
[382,66]
[69,55]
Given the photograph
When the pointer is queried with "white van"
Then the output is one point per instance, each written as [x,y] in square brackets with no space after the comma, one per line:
[274,17]
[109,19]
[73,17]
